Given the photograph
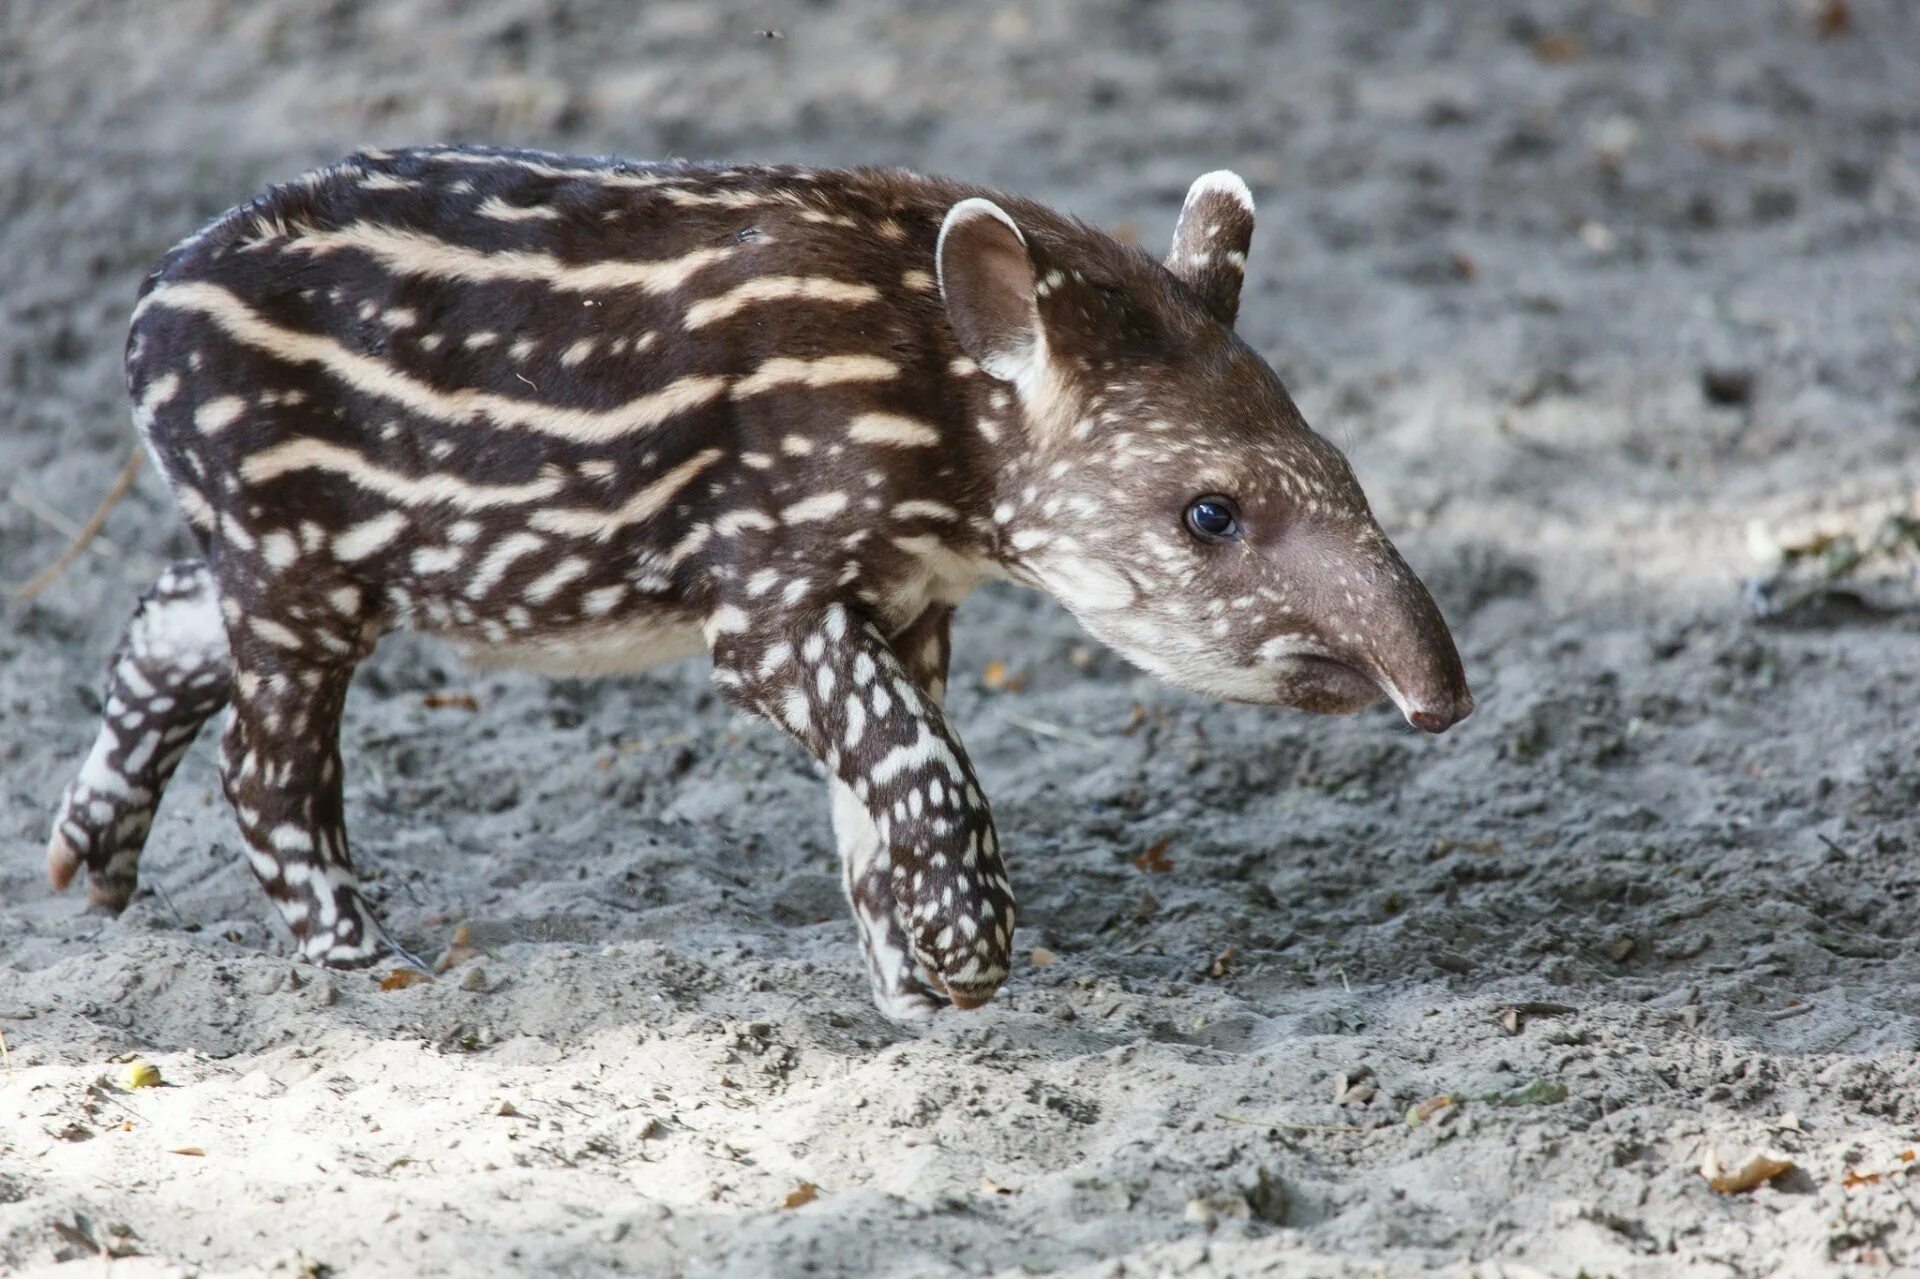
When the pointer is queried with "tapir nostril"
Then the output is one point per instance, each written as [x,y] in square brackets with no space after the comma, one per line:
[1442,716]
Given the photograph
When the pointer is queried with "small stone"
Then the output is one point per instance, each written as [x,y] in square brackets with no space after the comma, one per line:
[1353,1086]
[1727,386]
[475,980]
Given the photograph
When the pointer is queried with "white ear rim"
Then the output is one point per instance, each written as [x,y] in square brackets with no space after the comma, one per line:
[1223,182]
[965,211]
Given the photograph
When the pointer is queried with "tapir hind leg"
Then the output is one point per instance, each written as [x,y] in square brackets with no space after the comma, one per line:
[168,677]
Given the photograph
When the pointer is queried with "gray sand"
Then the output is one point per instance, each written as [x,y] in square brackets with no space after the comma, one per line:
[1496,254]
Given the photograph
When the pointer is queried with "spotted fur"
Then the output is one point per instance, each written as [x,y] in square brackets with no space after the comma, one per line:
[587,416]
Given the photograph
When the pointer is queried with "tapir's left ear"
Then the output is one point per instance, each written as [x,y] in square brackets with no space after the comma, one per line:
[1210,241]
[987,283]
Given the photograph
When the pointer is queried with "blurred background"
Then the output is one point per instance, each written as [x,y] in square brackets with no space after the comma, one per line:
[1616,307]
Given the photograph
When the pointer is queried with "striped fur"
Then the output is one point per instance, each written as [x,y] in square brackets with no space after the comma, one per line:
[587,415]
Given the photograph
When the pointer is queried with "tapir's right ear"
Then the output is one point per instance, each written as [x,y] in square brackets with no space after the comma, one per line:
[987,283]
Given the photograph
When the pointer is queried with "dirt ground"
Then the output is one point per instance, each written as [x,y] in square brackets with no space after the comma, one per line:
[1599,297]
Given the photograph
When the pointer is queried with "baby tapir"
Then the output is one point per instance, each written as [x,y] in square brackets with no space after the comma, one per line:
[589,415]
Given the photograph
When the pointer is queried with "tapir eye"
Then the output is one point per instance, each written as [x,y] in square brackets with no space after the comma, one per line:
[1213,519]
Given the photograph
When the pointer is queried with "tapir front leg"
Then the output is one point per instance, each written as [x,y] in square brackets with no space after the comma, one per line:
[902,987]
[934,871]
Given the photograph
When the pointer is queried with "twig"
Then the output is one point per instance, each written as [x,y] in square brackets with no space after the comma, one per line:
[1045,729]
[161,889]
[53,517]
[1286,1124]
[86,533]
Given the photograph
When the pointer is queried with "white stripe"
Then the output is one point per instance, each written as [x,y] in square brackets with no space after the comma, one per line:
[825,506]
[418,254]
[825,371]
[494,207]
[364,539]
[318,455]
[495,564]
[367,374]
[777,288]
[587,521]
[893,430]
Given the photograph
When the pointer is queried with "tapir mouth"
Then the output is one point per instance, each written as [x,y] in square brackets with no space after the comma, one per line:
[1328,686]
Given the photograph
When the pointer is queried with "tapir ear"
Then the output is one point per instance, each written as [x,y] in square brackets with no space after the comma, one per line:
[1210,241]
[987,283]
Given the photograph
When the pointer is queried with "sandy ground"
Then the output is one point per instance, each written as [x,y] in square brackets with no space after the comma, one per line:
[1502,246]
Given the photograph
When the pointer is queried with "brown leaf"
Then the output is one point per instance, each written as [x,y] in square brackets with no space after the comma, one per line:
[1510,1020]
[1222,962]
[458,951]
[450,701]
[1421,1112]
[401,978]
[1854,1180]
[195,1151]
[1001,678]
[1557,49]
[1154,860]
[1759,1168]
[802,1194]
[1044,958]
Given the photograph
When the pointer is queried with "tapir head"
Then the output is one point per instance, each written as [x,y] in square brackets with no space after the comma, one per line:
[1168,492]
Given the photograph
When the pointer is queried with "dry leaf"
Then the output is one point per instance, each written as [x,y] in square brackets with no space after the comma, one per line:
[458,951]
[1044,958]
[450,701]
[1510,1020]
[802,1194]
[195,1151]
[1154,861]
[1423,1111]
[988,1186]
[1221,963]
[1001,678]
[1557,49]
[1760,1167]
[1854,1180]
[401,978]
[140,1074]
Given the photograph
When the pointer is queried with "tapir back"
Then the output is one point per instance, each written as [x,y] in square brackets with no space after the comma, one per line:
[513,395]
